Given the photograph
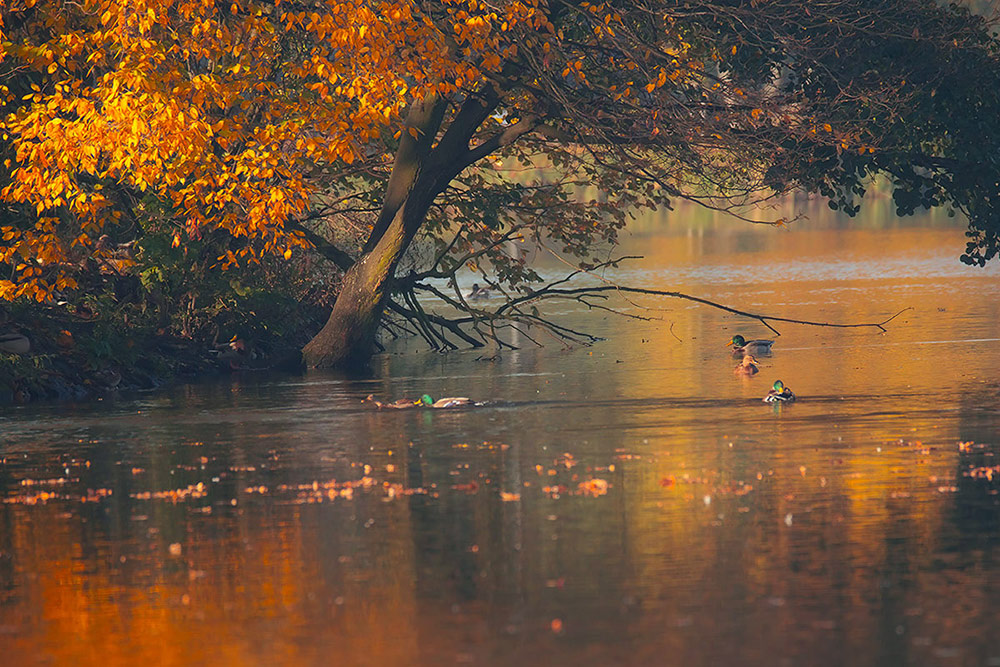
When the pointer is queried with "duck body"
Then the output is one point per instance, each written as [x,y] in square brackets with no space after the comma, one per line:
[232,355]
[742,346]
[424,401]
[748,367]
[14,343]
[447,402]
[478,292]
[401,404]
[779,394]
[452,402]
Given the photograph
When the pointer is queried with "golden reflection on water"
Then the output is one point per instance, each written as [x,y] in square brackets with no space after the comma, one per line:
[842,529]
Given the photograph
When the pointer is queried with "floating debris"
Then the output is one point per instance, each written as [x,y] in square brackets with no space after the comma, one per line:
[593,487]
[983,472]
[190,491]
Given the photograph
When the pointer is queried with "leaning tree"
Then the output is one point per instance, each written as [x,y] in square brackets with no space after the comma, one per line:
[360,129]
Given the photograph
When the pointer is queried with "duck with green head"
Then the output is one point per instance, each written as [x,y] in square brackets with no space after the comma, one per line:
[742,346]
[449,402]
[425,401]
[779,393]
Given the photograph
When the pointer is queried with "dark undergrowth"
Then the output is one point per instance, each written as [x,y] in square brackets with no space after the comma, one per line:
[156,322]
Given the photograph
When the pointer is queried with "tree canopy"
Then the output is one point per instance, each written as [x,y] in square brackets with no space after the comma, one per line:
[355,127]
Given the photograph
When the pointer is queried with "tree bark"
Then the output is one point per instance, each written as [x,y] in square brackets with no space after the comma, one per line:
[421,170]
[348,338]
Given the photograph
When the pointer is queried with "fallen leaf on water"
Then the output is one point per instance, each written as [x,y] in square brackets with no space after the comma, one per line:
[593,487]
[984,472]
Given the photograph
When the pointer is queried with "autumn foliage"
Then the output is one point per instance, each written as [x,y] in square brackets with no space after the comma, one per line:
[267,127]
[220,113]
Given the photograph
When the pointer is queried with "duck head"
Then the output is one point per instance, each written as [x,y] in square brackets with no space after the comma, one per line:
[737,341]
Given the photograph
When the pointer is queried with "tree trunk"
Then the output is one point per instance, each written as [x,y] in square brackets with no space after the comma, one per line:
[348,338]
[419,173]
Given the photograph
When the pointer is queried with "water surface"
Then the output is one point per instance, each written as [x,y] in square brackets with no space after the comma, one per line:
[633,502]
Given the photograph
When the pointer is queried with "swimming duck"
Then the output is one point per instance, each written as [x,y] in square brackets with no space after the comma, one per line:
[478,292]
[449,402]
[424,401]
[233,355]
[779,394]
[742,346]
[748,367]
[401,404]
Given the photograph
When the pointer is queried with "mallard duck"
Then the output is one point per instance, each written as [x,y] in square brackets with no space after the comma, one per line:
[233,354]
[449,402]
[779,394]
[14,343]
[478,292]
[424,401]
[748,367]
[742,346]
[401,404]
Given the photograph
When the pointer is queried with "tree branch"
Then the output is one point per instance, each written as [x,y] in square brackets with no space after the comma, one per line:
[508,136]
[451,325]
[763,319]
[322,246]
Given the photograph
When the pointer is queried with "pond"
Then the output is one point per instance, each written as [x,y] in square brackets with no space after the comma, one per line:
[632,502]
